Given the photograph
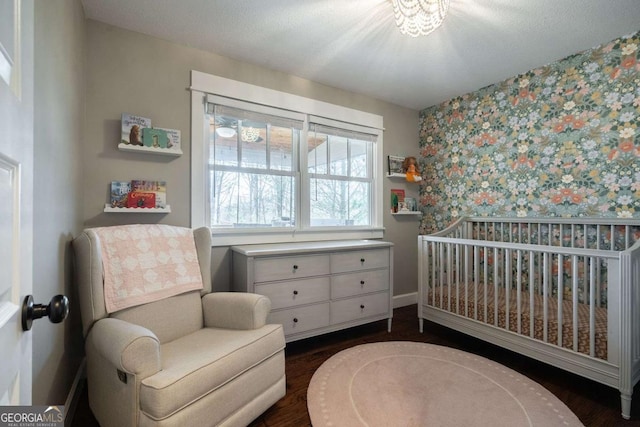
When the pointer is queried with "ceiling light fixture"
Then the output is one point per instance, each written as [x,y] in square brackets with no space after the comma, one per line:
[419,17]
[226,132]
[250,134]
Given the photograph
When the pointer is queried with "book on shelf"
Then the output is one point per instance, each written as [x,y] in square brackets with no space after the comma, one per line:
[158,188]
[120,193]
[397,199]
[141,199]
[154,137]
[133,128]
[138,194]
[173,138]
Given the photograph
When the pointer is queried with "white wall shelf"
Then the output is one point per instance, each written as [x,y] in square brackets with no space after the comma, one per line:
[409,213]
[109,209]
[150,150]
[396,175]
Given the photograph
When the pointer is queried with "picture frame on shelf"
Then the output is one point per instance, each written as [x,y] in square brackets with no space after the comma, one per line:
[394,165]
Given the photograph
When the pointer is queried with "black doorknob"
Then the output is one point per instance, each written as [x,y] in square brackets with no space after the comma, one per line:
[57,310]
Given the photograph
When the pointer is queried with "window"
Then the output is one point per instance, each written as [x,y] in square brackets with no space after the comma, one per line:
[252,167]
[278,167]
[340,176]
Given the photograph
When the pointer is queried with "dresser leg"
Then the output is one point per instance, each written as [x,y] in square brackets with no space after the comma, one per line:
[420,322]
[389,324]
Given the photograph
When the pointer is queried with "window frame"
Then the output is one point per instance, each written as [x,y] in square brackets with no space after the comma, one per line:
[203,85]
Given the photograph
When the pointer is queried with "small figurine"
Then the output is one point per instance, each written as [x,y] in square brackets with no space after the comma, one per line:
[134,135]
[410,168]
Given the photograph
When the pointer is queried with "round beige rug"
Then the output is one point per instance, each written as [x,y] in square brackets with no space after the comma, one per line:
[415,384]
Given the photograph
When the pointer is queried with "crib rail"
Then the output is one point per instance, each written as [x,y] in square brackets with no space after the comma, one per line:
[614,234]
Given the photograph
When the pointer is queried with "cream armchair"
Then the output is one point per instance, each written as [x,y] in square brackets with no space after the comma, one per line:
[193,359]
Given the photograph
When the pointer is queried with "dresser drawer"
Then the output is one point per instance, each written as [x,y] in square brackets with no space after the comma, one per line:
[296,292]
[282,268]
[359,307]
[301,319]
[362,282]
[359,260]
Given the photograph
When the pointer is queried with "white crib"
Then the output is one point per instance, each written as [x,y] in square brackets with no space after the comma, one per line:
[498,279]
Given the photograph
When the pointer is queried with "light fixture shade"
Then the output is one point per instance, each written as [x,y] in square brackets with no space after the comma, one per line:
[419,17]
[226,132]
[249,134]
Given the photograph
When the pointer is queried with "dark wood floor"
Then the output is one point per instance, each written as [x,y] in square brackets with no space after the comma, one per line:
[595,404]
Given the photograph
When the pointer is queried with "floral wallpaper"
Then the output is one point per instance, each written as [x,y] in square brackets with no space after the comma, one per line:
[561,140]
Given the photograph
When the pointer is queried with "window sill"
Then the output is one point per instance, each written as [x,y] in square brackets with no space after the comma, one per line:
[230,238]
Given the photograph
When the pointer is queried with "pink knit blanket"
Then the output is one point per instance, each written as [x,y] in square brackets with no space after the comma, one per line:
[146,263]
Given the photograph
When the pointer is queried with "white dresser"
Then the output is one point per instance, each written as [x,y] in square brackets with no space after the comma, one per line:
[319,287]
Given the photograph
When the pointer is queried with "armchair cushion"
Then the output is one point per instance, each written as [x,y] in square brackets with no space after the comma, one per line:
[235,310]
[204,361]
[130,348]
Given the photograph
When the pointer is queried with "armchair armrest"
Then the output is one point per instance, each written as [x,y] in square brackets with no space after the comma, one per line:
[130,348]
[235,310]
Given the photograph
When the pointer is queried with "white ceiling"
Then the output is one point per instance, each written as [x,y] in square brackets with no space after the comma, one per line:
[354,44]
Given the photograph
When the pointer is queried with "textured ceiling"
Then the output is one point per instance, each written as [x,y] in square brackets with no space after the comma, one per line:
[354,44]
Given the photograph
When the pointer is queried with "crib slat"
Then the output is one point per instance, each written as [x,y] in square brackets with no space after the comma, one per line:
[466,281]
[574,291]
[486,278]
[559,295]
[449,275]
[456,276]
[520,230]
[507,286]
[598,275]
[613,238]
[476,279]
[585,272]
[496,279]
[434,257]
[592,309]
[441,275]
[531,293]
[539,264]
[627,237]
[545,305]
[519,290]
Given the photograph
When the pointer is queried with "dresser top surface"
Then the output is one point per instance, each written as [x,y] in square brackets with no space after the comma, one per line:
[308,247]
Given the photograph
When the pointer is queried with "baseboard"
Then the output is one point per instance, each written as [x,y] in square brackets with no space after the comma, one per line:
[73,397]
[405,299]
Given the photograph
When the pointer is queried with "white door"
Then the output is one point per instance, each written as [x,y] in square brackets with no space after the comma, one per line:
[16,196]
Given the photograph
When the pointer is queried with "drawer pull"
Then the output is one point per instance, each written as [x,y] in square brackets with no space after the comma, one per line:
[362,306]
[295,266]
[362,282]
[295,320]
[295,292]
[361,259]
